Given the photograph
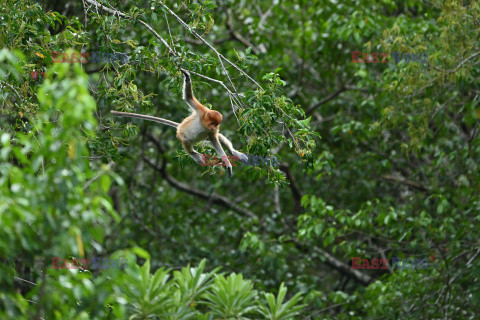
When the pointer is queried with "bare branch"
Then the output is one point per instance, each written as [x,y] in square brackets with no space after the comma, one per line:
[172,51]
[169,32]
[336,264]
[235,101]
[327,99]
[264,16]
[344,268]
[402,180]
[473,56]
[237,36]
[276,200]
[20,279]
[297,193]
[121,14]
[214,197]
[443,74]
[186,26]
[99,174]
[198,42]
[11,87]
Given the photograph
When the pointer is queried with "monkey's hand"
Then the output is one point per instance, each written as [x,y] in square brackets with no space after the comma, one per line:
[227,164]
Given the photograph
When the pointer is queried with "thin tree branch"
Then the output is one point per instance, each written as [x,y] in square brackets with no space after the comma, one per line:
[265,15]
[213,197]
[20,279]
[169,32]
[297,193]
[276,200]
[11,87]
[198,42]
[336,264]
[172,51]
[406,182]
[233,95]
[327,99]
[237,36]
[473,56]
[121,14]
[443,74]
[344,268]
[99,174]
[186,26]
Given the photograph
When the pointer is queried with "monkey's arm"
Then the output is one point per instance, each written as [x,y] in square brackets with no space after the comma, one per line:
[188,94]
[241,156]
[218,148]
[145,117]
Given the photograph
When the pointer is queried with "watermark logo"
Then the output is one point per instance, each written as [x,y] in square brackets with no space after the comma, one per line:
[397,263]
[261,161]
[96,263]
[384,57]
[208,160]
[89,57]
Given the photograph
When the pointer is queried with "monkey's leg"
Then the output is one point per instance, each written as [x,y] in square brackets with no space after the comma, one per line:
[218,148]
[194,154]
[241,156]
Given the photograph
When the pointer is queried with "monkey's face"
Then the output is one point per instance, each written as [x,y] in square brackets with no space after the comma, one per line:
[213,120]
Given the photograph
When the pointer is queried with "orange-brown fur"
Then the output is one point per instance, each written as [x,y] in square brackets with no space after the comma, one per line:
[203,124]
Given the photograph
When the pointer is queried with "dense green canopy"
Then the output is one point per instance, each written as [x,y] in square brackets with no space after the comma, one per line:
[372,108]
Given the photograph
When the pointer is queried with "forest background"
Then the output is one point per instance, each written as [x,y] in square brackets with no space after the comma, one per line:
[377,160]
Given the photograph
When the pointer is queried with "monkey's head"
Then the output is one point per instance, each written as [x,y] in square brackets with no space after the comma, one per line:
[213,119]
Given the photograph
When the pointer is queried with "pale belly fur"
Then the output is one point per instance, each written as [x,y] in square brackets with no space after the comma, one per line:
[191,134]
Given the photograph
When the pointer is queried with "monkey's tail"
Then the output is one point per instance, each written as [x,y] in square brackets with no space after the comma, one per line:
[145,117]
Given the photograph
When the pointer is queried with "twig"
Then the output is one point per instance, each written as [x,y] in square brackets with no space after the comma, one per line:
[226,73]
[186,26]
[172,51]
[98,175]
[20,279]
[443,106]
[169,32]
[469,262]
[217,81]
[443,73]
[121,14]
[473,56]
[276,200]
[237,36]
[11,87]
[235,102]
[265,15]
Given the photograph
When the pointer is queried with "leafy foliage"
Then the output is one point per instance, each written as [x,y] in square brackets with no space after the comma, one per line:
[377,160]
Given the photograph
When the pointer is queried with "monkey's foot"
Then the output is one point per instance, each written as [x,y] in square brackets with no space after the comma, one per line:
[197,157]
[186,74]
[241,156]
